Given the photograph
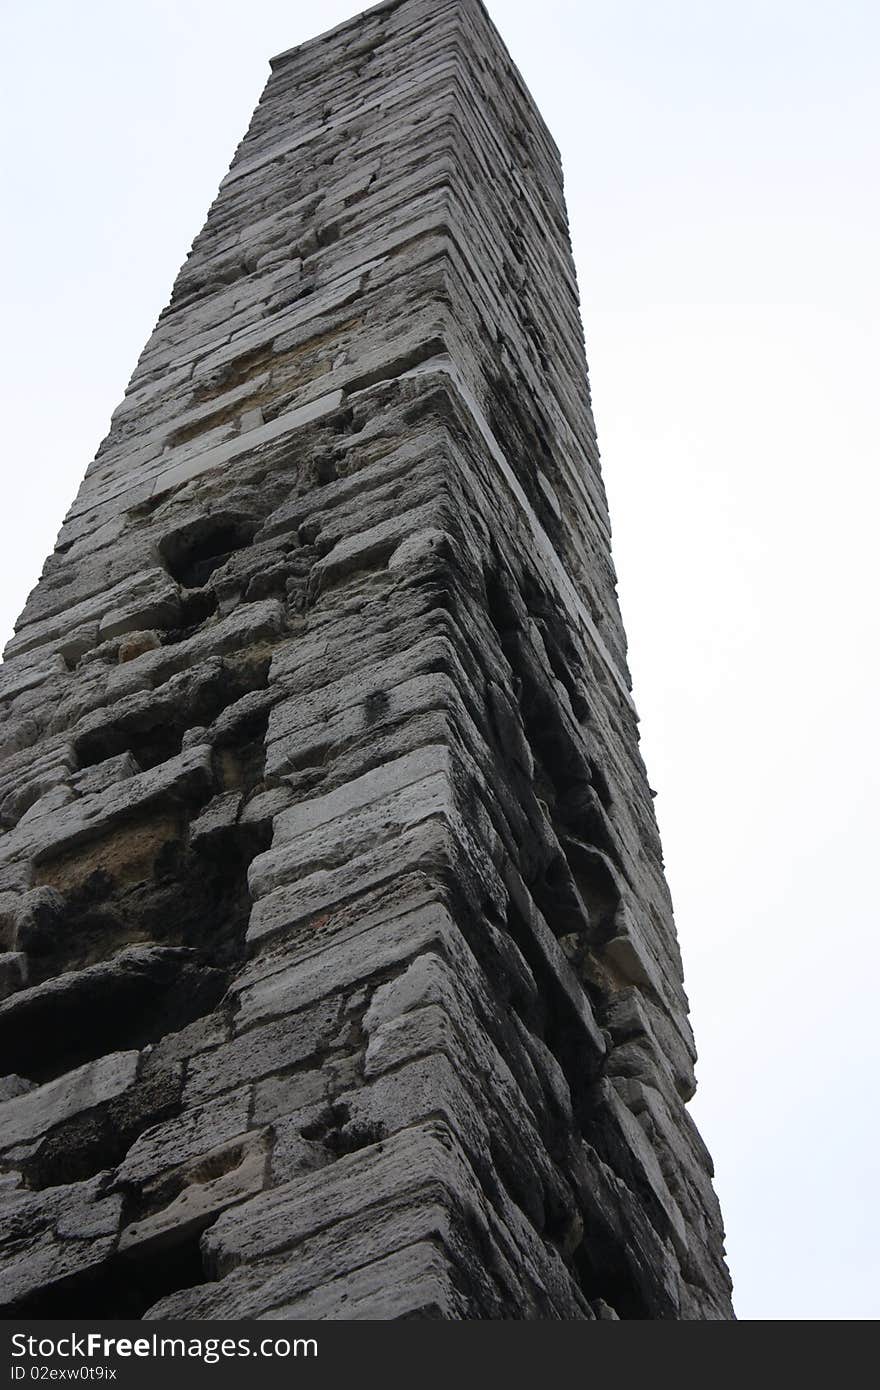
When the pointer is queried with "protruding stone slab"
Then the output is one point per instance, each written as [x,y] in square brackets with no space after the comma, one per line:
[27,1116]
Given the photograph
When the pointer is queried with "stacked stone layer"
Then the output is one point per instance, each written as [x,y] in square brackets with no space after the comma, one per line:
[340,974]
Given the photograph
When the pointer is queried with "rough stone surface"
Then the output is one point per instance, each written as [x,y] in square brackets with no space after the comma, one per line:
[338,976]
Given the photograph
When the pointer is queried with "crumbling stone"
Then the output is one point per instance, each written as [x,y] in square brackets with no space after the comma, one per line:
[338,976]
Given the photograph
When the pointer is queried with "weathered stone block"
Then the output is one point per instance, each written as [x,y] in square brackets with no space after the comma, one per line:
[416,1282]
[27,1116]
[191,1135]
[261,1051]
[205,1192]
[367,948]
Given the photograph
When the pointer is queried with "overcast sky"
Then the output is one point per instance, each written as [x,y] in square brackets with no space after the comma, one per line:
[721,169]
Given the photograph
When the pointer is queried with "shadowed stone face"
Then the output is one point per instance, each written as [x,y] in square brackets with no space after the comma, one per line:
[338,976]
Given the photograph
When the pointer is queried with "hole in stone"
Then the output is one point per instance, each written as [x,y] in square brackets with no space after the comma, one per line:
[154,733]
[196,606]
[135,998]
[602,1273]
[597,887]
[179,895]
[98,1140]
[375,705]
[110,973]
[193,553]
[148,746]
[121,1288]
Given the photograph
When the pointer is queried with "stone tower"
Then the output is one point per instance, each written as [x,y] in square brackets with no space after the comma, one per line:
[340,974]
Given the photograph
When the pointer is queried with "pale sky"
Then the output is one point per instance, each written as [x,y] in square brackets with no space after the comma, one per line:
[721,172]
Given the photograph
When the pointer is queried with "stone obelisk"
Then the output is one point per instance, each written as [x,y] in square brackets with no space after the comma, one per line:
[339,967]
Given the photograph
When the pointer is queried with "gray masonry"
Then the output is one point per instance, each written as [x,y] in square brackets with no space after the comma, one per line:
[339,975]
